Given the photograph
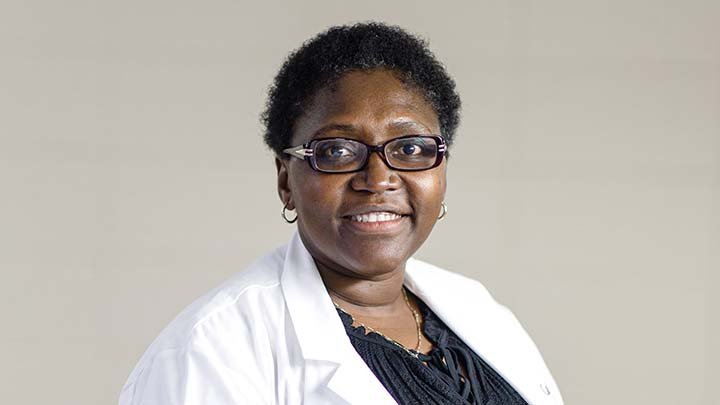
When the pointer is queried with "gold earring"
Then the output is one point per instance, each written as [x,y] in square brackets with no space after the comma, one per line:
[443,211]
[284,215]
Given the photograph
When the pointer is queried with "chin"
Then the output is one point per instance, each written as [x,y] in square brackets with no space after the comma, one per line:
[376,262]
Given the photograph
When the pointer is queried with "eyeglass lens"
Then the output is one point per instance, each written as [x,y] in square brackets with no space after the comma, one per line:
[346,155]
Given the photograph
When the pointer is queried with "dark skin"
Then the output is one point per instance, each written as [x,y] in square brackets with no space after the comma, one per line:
[363,269]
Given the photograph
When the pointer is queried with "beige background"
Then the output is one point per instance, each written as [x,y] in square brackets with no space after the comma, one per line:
[584,186]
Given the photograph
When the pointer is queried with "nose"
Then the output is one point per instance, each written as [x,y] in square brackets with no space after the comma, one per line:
[377,177]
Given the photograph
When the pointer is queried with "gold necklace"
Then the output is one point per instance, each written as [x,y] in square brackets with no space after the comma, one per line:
[416,316]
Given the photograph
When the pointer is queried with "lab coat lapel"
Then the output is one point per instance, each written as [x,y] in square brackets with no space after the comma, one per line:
[330,357]
[486,327]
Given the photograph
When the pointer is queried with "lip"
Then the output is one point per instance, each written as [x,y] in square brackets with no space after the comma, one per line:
[368,208]
[380,227]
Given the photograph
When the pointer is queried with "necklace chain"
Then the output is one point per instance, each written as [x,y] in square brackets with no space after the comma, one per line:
[416,317]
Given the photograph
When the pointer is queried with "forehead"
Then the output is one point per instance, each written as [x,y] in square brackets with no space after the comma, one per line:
[371,104]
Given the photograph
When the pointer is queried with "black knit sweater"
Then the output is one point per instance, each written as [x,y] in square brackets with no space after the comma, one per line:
[451,373]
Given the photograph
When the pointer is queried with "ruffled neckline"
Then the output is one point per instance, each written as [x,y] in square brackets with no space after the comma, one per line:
[450,373]
[433,329]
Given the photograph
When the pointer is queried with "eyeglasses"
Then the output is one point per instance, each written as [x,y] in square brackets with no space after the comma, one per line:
[343,155]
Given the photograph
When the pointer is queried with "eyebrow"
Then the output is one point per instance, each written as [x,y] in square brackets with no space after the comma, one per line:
[335,127]
[399,124]
[408,124]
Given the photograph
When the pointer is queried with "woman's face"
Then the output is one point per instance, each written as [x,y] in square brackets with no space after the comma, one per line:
[333,209]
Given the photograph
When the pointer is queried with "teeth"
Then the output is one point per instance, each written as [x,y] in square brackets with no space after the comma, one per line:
[375,217]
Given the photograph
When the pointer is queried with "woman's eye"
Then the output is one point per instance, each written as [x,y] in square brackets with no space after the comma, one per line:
[337,152]
[411,149]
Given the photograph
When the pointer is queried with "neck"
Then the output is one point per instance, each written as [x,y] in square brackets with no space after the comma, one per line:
[363,294]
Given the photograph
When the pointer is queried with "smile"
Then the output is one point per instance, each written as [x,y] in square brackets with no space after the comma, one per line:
[375,217]
[377,223]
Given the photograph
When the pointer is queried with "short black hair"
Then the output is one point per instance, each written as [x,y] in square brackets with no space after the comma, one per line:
[363,46]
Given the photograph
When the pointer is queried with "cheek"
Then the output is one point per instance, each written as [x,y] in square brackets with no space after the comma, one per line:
[316,196]
[429,191]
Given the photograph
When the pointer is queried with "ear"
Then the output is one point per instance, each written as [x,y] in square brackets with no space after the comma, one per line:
[283,185]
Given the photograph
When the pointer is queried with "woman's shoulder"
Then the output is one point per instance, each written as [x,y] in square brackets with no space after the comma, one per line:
[256,283]
[221,324]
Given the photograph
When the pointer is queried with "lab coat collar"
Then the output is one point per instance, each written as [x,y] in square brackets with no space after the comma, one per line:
[486,327]
[321,334]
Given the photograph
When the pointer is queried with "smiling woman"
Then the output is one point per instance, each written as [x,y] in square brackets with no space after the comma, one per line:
[371,108]
[360,118]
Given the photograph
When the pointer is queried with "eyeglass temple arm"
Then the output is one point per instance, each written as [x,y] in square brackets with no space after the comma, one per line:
[299,152]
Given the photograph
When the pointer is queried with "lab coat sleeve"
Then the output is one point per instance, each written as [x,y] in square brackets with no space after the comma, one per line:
[190,377]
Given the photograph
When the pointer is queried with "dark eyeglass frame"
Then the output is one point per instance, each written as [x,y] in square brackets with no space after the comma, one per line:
[306,151]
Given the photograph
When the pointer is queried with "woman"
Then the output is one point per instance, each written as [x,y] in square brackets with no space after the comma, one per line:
[360,119]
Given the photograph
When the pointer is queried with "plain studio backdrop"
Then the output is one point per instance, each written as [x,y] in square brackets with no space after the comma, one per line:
[583,187]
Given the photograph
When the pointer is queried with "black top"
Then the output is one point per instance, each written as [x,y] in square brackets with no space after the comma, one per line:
[427,379]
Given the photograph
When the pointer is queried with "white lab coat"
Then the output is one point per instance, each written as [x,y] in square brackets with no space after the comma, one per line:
[271,335]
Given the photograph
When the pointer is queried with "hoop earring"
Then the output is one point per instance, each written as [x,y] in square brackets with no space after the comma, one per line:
[284,215]
[443,211]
